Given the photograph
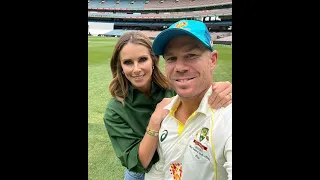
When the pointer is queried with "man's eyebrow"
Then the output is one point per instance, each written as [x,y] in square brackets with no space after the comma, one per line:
[167,54]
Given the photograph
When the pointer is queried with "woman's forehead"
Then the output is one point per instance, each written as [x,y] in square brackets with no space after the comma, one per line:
[133,51]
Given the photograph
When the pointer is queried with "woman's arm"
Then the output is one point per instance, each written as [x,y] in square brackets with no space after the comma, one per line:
[150,140]
[125,141]
[134,152]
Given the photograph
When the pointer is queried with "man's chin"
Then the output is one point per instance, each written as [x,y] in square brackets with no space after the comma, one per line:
[185,93]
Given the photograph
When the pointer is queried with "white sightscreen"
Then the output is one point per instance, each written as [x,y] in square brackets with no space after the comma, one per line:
[96,28]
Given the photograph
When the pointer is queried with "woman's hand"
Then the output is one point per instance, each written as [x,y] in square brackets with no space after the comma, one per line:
[221,95]
[159,114]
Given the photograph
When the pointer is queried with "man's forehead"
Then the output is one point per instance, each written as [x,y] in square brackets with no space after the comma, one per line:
[185,47]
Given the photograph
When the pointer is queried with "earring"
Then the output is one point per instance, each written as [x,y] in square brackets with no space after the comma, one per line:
[152,67]
[122,72]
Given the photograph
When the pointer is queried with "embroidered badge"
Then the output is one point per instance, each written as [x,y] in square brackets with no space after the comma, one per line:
[181,24]
[176,171]
[203,135]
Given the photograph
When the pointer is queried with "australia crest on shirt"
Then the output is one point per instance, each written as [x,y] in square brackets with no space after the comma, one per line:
[200,143]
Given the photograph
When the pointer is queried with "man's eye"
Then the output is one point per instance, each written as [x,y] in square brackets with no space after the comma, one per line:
[170,59]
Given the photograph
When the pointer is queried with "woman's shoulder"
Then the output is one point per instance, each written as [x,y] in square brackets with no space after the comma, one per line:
[113,111]
[114,104]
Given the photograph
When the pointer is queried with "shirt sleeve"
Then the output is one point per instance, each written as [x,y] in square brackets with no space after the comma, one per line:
[228,155]
[125,141]
[227,152]
[157,170]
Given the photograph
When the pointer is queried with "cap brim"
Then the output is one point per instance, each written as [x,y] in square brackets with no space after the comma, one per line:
[165,36]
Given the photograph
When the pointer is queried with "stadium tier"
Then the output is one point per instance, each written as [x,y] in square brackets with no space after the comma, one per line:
[154,4]
[115,17]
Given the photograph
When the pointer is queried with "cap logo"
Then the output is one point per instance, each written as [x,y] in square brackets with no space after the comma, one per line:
[181,24]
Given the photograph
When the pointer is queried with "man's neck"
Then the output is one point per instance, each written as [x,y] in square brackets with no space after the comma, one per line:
[188,106]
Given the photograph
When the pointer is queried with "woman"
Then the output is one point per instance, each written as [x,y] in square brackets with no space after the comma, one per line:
[137,87]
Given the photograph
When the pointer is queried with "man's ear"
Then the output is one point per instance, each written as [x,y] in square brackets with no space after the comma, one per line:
[213,59]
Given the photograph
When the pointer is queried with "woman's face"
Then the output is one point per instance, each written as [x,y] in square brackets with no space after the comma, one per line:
[137,64]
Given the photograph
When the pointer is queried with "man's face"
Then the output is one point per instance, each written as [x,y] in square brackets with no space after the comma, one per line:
[188,66]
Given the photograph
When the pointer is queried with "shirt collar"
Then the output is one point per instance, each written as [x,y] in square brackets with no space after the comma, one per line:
[133,92]
[204,106]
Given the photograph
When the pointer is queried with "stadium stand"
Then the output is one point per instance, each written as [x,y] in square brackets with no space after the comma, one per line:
[116,32]
[155,4]
[218,12]
[168,4]
[153,16]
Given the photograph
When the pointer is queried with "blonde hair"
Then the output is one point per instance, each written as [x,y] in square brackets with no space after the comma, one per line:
[119,85]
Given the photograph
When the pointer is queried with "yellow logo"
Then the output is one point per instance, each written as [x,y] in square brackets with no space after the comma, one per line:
[203,134]
[181,24]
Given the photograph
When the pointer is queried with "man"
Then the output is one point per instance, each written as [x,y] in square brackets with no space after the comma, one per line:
[195,141]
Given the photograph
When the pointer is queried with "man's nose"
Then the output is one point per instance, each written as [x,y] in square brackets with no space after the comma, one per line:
[181,66]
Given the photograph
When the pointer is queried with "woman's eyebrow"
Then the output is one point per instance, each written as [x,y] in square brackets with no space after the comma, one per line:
[125,59]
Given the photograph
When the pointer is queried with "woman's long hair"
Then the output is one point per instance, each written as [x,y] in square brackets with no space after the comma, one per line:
[120,84]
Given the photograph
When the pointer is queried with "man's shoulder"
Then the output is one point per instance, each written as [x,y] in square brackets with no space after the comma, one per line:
[228,109]
[223,122]
[225,110]
[224,113]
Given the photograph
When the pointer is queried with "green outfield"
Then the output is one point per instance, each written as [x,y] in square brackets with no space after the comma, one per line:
[102,162]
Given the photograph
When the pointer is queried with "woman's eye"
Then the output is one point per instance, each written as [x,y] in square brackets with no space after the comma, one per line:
[142,59]
[127,62]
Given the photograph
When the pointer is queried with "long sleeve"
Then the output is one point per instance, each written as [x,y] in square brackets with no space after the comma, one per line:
[228,155]
[124,139]
[222,136]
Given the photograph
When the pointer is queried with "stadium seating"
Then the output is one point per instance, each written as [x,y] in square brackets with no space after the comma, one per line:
[156,15]
[155,4]
[116,32]
[226,11]
[171,4]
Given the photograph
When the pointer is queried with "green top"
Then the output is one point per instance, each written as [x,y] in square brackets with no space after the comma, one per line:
[126,125]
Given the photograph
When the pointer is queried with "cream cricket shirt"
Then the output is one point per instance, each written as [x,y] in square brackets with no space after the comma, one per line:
[200,149]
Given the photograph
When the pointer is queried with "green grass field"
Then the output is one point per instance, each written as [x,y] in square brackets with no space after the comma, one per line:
[102,162]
